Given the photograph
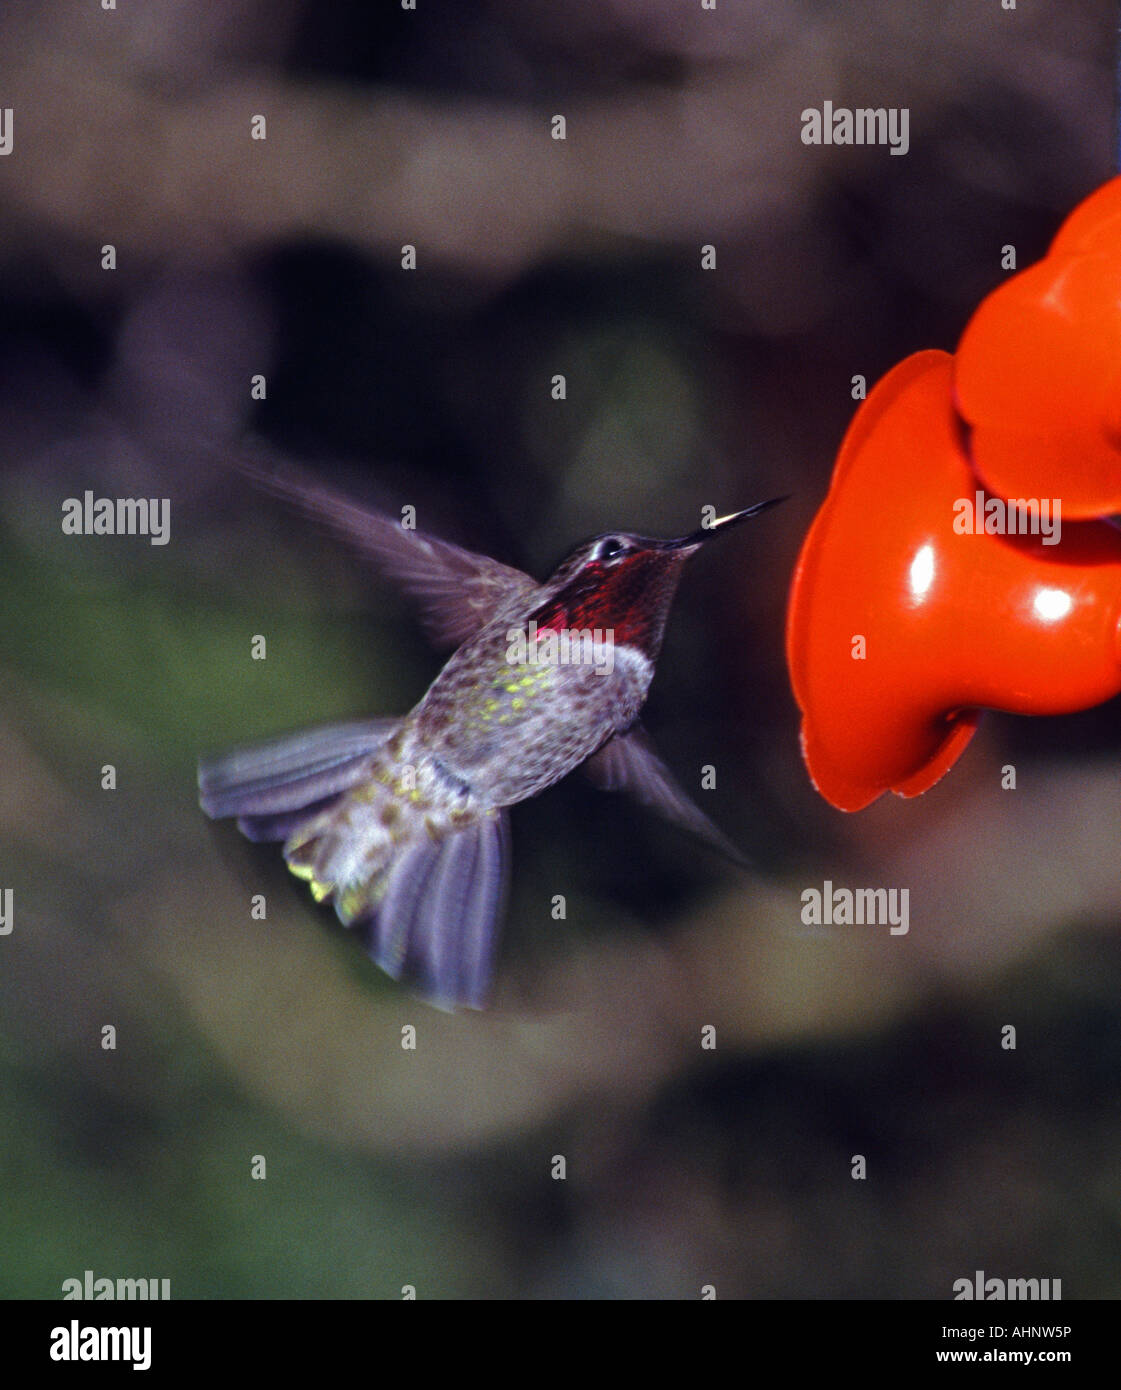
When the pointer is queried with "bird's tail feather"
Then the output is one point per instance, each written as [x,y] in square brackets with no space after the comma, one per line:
[426,892]
[437,921]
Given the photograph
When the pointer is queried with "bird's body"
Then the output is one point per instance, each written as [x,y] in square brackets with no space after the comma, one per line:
[511,730]
[403,822]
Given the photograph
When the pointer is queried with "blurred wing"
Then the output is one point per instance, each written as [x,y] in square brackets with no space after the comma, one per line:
[288,774]
[629,762]
[458,591]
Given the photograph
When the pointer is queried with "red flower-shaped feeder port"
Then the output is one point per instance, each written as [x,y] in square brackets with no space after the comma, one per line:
[1037,375]
[907,617]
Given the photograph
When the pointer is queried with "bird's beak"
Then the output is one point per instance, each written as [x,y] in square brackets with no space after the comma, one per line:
[722,523]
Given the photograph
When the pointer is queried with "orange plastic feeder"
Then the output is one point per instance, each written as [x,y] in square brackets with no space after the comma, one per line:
[910,611]
[1037,376]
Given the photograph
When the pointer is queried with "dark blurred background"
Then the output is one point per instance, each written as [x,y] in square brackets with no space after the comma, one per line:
[235,1037]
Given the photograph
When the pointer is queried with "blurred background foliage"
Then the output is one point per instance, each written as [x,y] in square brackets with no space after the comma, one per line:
[237,1037]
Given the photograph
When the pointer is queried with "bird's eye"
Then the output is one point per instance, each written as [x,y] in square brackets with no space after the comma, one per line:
[611,548]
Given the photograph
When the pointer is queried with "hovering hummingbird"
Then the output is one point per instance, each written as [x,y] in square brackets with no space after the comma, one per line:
[403,822]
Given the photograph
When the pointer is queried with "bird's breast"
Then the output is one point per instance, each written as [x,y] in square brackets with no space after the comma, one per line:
[510,728]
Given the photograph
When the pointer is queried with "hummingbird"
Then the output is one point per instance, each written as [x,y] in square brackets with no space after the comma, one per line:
[403,822]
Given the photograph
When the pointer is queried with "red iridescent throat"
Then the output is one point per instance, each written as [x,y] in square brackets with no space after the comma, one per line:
[630,599]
